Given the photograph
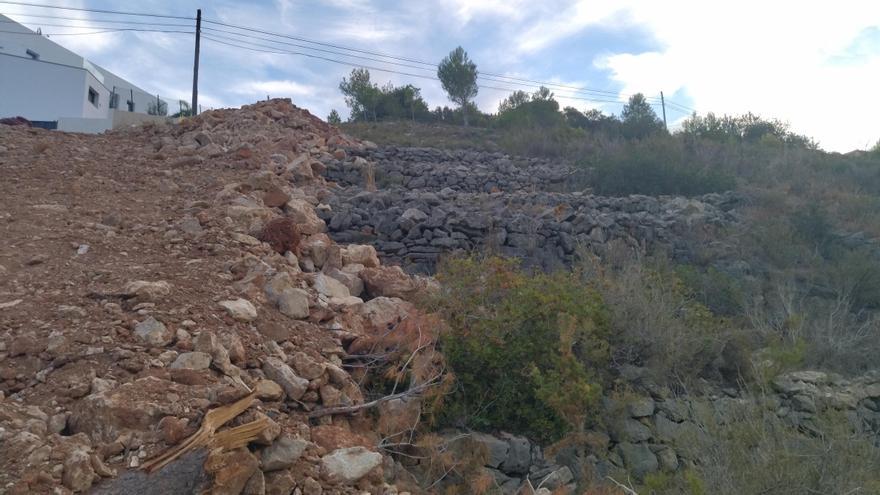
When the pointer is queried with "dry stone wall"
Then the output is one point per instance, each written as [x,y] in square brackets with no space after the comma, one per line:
[430,202]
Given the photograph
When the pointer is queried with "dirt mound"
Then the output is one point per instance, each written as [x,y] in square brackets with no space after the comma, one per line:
[137,300]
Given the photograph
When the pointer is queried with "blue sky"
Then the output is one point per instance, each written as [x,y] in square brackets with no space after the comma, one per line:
[815,66]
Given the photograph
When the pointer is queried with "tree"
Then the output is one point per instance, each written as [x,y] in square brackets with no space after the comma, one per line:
[361,95]
[411,96]
[639,119]
[514,101]
[333,118]
[458,75]
[538,110]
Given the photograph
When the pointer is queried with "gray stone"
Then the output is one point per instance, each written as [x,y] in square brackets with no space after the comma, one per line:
[668,459]
[803,403]
[519,455]
[497,448]
[641,407]
[557,478]
[349,465]
[153,332]
[294,303]
[630,430]
[282,374]
[330,287]
[283,453]
[638,458]
[192,361]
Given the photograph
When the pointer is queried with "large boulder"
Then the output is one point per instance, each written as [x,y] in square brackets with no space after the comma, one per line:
[134,406]
[360,254]
[305,217]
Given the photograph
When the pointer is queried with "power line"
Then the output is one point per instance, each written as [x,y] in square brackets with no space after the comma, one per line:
[432,65]
[116,30]
[351,64]
[77,27]
[432,68]
[307,48]
[321,43]
[596,94]
[81,19]
[100,11]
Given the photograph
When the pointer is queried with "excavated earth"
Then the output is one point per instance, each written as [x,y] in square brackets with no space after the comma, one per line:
[135,296]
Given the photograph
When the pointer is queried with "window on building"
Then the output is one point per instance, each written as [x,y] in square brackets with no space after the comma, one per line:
[32,54]
[93,96]
[114,100]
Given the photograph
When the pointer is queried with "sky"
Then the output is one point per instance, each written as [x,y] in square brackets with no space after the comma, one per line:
[815,65]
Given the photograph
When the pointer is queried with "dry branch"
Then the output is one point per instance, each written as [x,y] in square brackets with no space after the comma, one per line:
[366,405]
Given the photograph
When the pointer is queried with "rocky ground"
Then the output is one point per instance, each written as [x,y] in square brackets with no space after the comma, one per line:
[136,296]
[178,285]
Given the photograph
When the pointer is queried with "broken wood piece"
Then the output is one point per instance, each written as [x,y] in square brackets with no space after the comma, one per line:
[239,436]
[214,419]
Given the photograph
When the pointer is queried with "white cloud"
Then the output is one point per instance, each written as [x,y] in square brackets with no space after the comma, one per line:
[771,58]
[280,87]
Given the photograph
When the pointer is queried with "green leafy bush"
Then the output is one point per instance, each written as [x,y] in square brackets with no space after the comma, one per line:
[525,349]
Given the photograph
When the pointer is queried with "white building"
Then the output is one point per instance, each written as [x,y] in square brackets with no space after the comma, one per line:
[51,85]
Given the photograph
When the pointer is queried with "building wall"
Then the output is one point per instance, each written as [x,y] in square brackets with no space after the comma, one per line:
[142,99]
[56,86]
[90,110]
[18,44]
[42,91]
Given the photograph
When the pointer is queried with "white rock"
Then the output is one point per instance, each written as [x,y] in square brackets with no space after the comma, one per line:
[330,287]
[147,290]
[349,465]
[240,309]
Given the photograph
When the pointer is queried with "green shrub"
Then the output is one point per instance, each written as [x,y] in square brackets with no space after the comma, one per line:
[524,349]
[660,165]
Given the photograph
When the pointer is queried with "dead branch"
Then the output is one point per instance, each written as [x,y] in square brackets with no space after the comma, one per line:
[626,489]
[367,405]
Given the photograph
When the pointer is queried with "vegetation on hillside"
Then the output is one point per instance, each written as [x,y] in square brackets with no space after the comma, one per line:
[793,284]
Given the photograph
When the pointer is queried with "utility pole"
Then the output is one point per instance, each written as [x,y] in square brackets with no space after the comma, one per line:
[663,104]
[195,98]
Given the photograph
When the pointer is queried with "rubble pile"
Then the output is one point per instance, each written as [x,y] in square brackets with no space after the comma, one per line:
[141,312]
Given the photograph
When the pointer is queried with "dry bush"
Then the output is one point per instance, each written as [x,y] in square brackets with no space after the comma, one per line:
[369,173]
[655,321]
[282,235]
[760,454]
[41,147]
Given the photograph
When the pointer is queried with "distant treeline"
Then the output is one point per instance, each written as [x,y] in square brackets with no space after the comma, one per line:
[369,102]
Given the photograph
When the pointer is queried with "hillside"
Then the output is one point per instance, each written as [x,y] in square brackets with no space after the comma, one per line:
[295,310]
